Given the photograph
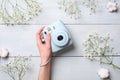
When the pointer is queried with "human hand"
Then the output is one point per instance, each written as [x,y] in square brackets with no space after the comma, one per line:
[44,48]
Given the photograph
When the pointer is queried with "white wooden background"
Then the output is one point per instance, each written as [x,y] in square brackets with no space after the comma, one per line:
[69,64]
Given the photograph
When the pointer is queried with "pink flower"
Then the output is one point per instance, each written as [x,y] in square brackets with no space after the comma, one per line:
[3,52]
[103,73]
[112,7]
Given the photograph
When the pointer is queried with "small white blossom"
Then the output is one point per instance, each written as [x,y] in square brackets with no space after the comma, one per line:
[71,7]
[91,4]
[103,73]
[112,6]
[3,52]
[17,67]
[97,45]
[18,14]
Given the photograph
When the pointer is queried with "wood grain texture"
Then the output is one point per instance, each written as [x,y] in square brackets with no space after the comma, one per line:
[69,64]
[21,39]
[51,12]
[69,68]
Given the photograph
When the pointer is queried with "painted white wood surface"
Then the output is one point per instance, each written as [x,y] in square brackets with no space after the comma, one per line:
[69,64]
[51,12]
[70,68]
[21,40]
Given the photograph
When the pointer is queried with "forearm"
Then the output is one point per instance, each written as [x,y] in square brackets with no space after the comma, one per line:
[45,54]
[44,73]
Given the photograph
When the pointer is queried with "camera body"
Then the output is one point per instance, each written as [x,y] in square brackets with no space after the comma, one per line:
[60,36]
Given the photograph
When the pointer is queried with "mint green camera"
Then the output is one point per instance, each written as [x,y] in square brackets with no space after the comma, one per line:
[60,36]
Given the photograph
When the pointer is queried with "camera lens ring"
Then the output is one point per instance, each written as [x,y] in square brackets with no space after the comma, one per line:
[61,42]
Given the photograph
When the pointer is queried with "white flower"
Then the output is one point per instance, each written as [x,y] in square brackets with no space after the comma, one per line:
[112,7]
[103,73]
[71,7]
[18,13]
[3,52]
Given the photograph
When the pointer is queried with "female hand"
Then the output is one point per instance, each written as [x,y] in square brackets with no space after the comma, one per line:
[44,48]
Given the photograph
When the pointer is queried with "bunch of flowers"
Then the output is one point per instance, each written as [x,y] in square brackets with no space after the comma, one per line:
[17,68]
[91,4]
[71,7]
[18,11]
[97,48]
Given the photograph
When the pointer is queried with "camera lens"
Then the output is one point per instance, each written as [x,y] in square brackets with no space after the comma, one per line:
[60,37]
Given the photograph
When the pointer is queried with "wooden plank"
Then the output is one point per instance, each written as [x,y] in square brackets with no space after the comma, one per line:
[51,12]
[21,40]
[70,68]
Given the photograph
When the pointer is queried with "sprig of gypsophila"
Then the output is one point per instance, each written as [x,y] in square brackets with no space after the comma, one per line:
[17,68]
[71,7]
[97,48]
[91,4]
[18,11]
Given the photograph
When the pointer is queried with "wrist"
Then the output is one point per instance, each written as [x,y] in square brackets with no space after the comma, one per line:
[45,62]
[45,58]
